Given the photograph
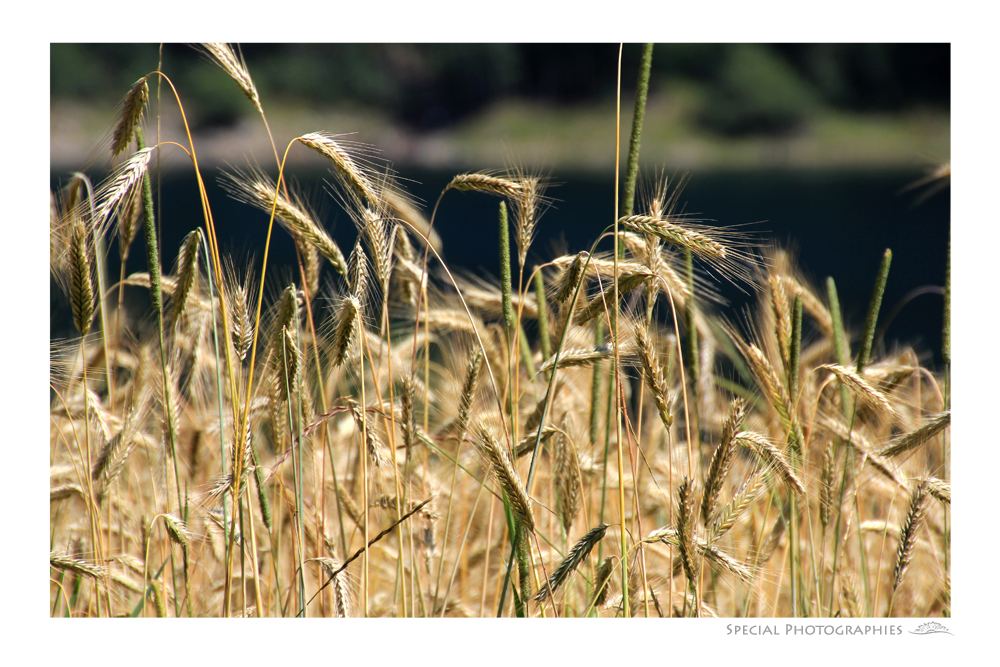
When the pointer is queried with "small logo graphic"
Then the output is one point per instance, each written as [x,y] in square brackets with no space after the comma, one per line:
[930,628]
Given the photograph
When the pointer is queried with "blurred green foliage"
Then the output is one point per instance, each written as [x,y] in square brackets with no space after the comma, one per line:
[748,88]
[757,91]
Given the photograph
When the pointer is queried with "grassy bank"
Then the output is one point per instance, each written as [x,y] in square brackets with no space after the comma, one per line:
[561,137]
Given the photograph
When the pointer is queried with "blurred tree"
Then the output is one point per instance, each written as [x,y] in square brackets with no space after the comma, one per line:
[757,91]
[749,87]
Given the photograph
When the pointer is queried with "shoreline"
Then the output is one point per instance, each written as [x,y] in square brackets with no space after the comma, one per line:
[557,139]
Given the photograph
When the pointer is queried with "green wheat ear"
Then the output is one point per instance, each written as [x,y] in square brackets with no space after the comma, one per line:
[873,308]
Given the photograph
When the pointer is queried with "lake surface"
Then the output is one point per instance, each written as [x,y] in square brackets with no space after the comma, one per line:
[839,222]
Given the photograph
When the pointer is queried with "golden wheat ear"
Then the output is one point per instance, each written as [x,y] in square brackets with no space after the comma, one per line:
[235,67]
[256,189]
[506,475]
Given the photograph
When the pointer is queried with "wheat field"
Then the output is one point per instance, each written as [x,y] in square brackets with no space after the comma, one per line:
[377,436]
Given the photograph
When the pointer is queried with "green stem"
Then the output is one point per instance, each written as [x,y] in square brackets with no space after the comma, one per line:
[840,348]
[873,308]
[156,295]
[632,166]
[543,316]
[693,360]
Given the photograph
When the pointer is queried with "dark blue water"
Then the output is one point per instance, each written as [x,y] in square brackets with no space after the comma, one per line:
[839,222]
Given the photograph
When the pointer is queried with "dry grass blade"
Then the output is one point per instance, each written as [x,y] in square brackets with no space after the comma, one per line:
[770,456]
[131,115]
[868,394]
[506,475]
[914,439]
[576,555]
